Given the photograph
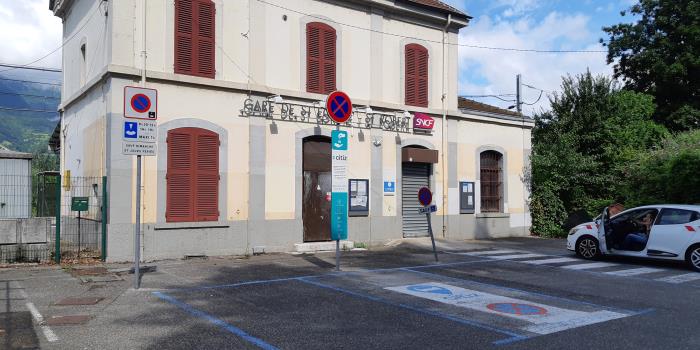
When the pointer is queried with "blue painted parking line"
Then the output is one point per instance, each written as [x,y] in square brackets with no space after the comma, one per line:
[513,336]
[342,273]
[216,321]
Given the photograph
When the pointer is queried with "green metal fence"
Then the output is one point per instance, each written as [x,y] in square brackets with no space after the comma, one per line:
[81,226]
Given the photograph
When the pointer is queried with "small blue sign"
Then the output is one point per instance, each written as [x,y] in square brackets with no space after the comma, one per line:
[389,186]
[131,130]
[339,140]
[428,288]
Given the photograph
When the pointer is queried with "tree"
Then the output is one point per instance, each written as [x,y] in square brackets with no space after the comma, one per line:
[580,148]
[666,174]
[660,55]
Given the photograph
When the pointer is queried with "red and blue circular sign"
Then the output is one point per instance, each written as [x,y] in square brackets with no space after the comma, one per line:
[517,309]
[339,106]
[425,197]
[140,103]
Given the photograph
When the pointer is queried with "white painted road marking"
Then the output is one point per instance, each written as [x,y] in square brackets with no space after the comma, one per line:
[515,256]
[491,252]
[588,266]
[551,261]
[48,333]
[634,272]
[687,277]
[543,319]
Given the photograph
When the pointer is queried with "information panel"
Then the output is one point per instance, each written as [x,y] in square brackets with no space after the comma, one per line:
[339,185]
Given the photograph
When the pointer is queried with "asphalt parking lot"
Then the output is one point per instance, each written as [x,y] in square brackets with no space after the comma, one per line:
[510,293]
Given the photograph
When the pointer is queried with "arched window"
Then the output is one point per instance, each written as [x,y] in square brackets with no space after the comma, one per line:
[416,75]
[194,37]
[192,175]
[491,171]
[320,58]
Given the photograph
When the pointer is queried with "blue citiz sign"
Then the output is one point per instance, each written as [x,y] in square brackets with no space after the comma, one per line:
[339,185]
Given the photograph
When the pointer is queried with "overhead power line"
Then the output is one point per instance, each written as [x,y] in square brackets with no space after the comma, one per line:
[27,110]
[429,40]
[31,81]
[22,66]
[29,95]
[491,95]
[18,66]
[538,99]
[500,97]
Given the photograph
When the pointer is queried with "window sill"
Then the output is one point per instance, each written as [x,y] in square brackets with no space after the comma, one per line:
[492,215]
[190,225]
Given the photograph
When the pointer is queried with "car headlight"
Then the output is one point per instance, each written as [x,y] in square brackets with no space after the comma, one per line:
[573,230]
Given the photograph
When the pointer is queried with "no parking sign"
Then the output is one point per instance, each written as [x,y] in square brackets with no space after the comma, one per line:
[140,103]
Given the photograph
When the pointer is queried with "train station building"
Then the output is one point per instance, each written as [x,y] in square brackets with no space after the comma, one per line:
[241,154]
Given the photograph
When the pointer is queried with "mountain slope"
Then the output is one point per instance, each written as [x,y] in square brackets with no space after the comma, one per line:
[27,116]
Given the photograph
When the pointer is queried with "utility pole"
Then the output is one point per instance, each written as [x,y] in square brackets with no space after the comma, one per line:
[518,95]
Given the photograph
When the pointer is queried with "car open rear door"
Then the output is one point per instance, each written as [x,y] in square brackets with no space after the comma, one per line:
[672,232]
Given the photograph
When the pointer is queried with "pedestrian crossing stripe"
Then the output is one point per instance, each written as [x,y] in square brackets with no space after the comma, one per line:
[582,265]
[634,272]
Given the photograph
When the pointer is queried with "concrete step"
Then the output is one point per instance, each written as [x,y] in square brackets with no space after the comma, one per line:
[310,247]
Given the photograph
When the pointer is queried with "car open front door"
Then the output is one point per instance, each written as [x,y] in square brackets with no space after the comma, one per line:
[603,231]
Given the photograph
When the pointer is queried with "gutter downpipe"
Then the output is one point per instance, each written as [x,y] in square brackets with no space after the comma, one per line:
[444,129]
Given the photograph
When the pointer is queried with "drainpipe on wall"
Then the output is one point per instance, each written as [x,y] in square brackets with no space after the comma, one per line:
[444,128]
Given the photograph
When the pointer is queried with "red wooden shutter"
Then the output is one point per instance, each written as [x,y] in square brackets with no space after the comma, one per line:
[193,175]
[195,37]
[207,176]
[184,38]
[410,76]
[416,75]
[328,59]
[180,175]
[320,58]
[205,39]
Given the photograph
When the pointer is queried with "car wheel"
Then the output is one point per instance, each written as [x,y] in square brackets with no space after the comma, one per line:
[587,248]
[693,257]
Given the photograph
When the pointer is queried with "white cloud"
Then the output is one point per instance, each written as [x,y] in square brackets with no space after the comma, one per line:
[543,70]
[29,30]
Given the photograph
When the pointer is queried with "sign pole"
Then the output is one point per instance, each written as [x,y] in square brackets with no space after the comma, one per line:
[79,236]
[337,241]
[430,230]
[339,109]
[137,228]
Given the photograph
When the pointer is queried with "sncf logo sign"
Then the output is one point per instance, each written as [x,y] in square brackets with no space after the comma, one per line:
[422,121]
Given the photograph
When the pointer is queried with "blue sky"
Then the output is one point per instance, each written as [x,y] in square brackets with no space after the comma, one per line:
[28,30]
[532,24]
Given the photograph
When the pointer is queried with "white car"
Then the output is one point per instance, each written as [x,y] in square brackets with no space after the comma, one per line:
[668,232]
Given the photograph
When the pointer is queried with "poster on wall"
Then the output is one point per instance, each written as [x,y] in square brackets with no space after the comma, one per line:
[359,197]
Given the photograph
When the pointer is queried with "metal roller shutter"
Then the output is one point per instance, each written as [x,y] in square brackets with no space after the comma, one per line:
[413,177]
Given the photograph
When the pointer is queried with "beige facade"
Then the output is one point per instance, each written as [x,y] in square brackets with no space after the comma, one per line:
[260,52]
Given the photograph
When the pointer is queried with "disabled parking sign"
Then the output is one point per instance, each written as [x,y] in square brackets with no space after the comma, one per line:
[530,317]
[131,130]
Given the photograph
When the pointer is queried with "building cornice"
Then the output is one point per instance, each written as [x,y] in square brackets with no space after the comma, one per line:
[120,71]
[436,18]
[59,7]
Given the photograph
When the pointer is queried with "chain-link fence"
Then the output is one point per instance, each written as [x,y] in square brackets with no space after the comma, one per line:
[24,235]
[31,207]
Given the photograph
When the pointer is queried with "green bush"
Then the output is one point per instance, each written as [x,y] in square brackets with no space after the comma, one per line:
[669,173]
